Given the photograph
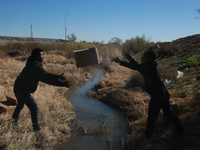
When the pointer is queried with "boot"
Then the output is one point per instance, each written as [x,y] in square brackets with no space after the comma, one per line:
[36,128]
[15,122]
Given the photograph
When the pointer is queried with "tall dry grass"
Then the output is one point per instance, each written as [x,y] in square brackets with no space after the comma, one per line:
[167,49]
[63,48]
[117,90]
[56,113]
[135,104]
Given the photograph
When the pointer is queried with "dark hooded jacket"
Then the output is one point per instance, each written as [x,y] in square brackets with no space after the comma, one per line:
[32,73]
[152,81]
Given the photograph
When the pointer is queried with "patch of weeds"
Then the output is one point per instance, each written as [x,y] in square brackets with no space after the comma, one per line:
[175,99]
[196,72]
[162,57]
[182,94]
[187,83]
[186,110]
[172,61]
[197,95]
[180,81]
[197,87]
[196,91]
[178,90]
[193,54]
[189,62]
[198,77]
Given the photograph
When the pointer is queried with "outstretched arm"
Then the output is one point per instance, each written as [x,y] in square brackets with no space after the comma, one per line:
[128,57]
[132,64]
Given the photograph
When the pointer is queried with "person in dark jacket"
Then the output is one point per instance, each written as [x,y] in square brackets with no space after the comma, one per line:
[156,89]
[27,82]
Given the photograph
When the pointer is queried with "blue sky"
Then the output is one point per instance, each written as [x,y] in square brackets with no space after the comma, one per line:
[100,20]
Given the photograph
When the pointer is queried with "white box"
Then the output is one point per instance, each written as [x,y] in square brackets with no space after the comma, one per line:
[86,57]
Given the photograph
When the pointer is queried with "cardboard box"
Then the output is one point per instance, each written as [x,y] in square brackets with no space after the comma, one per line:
[11,100]
[8,106]
[86,57]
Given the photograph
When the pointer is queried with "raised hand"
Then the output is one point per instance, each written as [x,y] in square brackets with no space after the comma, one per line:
[128,57]
[116,59]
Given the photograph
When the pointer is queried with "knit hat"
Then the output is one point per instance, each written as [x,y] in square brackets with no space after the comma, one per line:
[150,54]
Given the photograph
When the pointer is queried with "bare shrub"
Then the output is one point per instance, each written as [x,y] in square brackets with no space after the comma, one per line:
[135,81]
[167,50]
[167,72]
[107,52]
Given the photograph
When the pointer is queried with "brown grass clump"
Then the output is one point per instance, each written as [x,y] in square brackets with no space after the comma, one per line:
[132,102]
[55,112]
[117,90]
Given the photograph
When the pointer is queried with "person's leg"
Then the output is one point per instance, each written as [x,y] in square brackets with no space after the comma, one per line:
[31,104]
[153,112]
[169,112]
[29,101]
[19,107]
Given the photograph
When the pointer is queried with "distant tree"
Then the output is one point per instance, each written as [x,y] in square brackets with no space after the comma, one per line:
[115,40]
[72,37]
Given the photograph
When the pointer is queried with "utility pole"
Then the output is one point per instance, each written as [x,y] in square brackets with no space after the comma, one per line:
[31,32]
[65,26]
[65,33]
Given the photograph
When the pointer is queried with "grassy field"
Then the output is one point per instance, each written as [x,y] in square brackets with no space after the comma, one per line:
[55,112]
[116,89]
[184,94]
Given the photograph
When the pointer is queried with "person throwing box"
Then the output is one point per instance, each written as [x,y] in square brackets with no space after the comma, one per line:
[27,83]
[156,89]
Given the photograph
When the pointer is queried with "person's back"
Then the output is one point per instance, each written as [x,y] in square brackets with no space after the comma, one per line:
[151,78]
[27,80]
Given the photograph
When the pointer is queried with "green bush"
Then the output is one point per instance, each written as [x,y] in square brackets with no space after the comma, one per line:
[189,62]
[136,44]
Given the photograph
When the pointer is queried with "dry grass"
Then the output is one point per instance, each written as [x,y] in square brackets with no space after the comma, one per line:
[135,104]
[111,90]
[55,112]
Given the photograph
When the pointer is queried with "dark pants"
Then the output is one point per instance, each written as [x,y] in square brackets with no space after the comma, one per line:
[28,100]
[159,101]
